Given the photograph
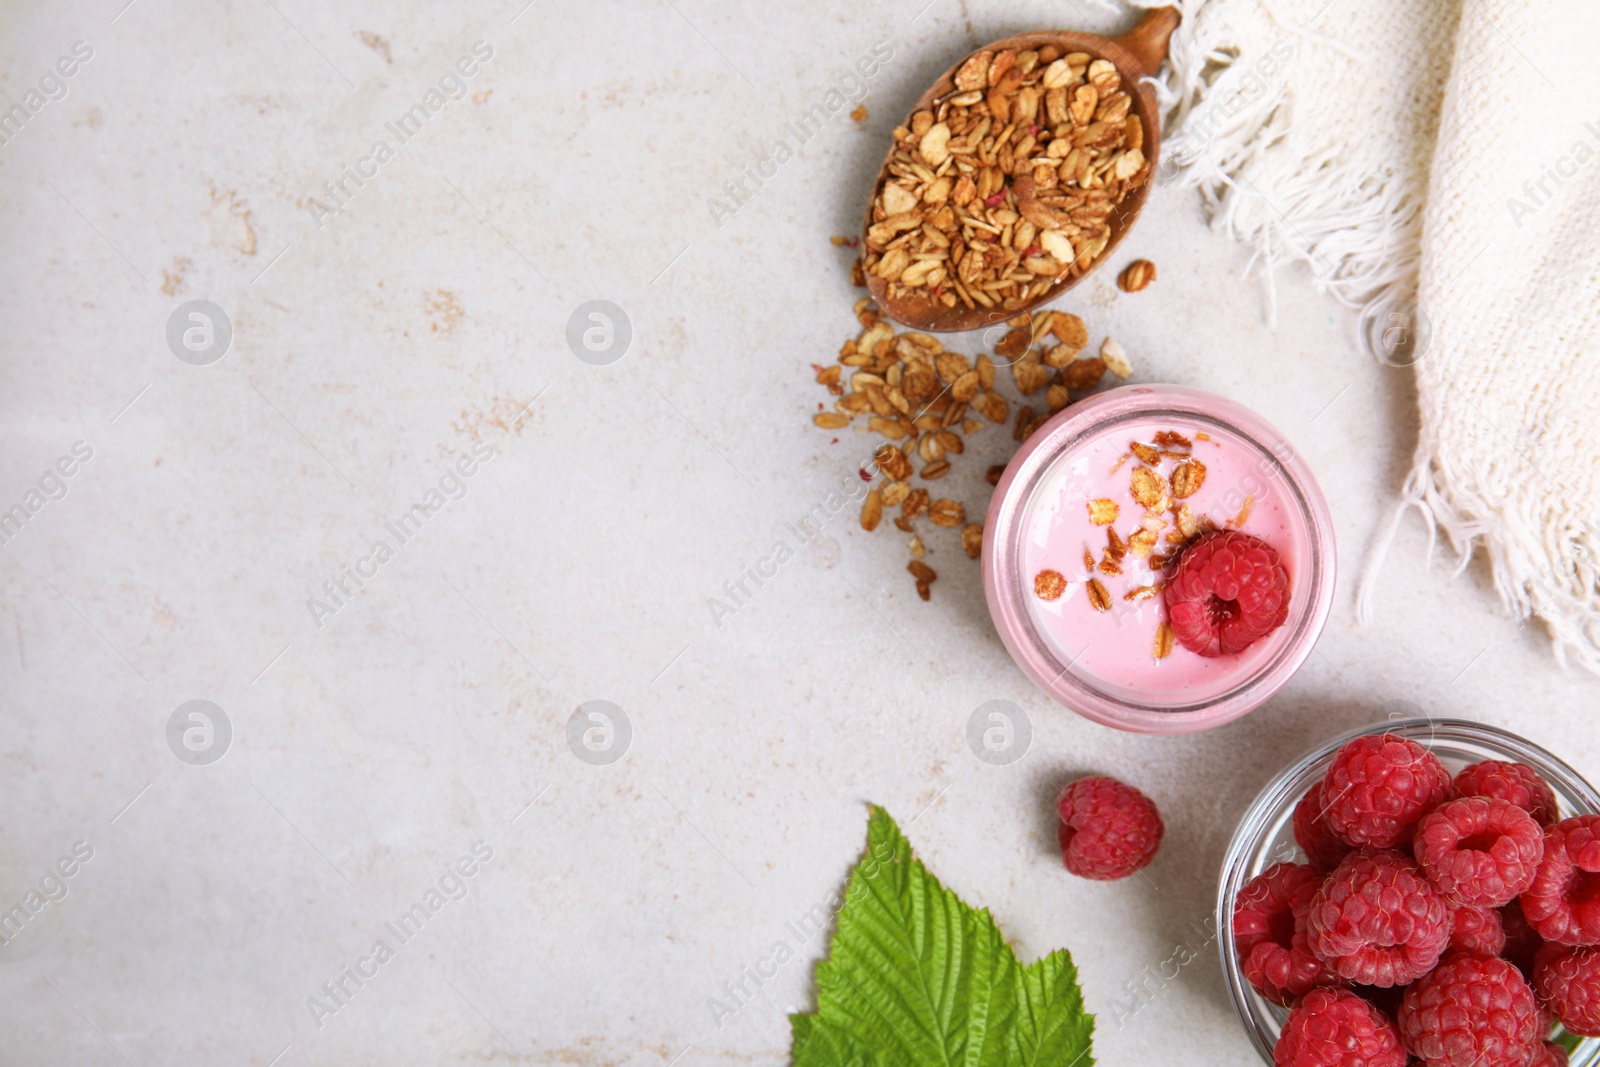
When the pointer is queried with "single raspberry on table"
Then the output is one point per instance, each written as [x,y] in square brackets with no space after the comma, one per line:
[1228,592]
[1516,783]
[1568,981]
[1563,903]
[1471,1012]
[1478,850]
[1336,1028]
[1477,931]
[1377,921]
[1269,933]
[1378,787]
[1311,832]
[1108,829]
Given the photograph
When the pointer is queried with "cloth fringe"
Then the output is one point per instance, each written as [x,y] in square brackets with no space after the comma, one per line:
[1359,236]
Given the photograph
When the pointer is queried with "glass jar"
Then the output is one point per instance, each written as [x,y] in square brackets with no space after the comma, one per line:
[1266,836]
[1092,649]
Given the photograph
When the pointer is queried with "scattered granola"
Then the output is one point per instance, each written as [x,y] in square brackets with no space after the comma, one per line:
[1006,185]
[972,540]
[1083,375]
[872,510]
[1115,359]
[893,462]
[915,505]
[1070,331]
[946,513]
[1099,599]
[924,402]
[1136,276]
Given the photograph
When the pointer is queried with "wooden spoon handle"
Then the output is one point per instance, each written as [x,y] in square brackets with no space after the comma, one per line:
[1144,47]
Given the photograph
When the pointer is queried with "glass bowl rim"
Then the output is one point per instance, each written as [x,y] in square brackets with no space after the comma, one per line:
[1277,796]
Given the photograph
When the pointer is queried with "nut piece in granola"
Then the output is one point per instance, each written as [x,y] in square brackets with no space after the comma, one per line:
[1136,276]
[1049,585]
[1099,599]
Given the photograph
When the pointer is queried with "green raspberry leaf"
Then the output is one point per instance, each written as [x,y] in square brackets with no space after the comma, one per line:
[918,978]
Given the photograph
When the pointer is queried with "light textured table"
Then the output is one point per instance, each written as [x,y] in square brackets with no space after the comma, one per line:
[374,340]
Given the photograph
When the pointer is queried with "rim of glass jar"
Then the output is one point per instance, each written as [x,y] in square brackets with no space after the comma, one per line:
[1275,803]
[1006,590]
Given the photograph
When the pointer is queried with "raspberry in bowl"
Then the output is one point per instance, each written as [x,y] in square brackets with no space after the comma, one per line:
[1392,864]
[1158,559]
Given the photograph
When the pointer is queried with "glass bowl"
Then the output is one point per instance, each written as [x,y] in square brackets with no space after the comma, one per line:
[1266,836]
[1273,469]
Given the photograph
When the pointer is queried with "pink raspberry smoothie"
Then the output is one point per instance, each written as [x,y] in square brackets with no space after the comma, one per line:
[1241,489]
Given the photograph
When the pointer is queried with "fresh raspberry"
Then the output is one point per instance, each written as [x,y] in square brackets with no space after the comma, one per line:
[1522,941]
[1378,921]
[1479,851]
[1471,1012]
[1108,829]
[1563,903]
[1476,931]
[1322,846]
[1568,981]
[1377,788]
[1269,933]
[1549,1054]
[1229,591]
[1336,1028]
[1517,783]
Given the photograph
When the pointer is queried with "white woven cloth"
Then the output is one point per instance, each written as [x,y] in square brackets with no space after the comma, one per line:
[1441,154]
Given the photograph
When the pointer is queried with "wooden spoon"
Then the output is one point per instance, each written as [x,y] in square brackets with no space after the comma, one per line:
[1137,54]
